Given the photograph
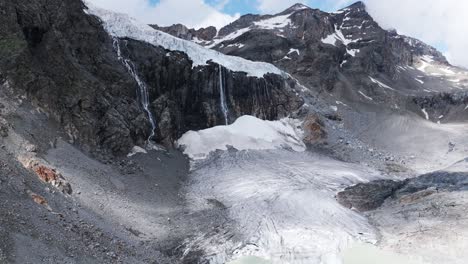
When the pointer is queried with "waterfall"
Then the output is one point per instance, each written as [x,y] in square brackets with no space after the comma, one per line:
[222,94]
[142,94]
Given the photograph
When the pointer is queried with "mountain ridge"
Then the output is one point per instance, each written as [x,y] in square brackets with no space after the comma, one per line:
[246,19]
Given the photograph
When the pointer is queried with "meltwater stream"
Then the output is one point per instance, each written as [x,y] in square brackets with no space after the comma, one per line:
[222,94]
[143,93]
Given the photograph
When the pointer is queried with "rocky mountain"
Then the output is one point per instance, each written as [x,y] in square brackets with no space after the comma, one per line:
[182,32]
[337,52]
[122,142]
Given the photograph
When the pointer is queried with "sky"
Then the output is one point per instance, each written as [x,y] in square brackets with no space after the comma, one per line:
[441,23]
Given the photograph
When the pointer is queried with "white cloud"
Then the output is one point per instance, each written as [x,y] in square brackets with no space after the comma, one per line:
[192,13]
[275,6]
[433,21]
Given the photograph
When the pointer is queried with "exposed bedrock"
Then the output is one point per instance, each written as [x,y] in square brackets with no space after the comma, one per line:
[449,107]
[370,196]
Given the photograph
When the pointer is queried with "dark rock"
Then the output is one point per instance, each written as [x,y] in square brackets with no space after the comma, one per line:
[183,32]
[449,105]
[4,127]
[368,196]
[440,180]
[334,117]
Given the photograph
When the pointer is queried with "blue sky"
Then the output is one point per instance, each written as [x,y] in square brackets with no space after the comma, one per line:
[243,7]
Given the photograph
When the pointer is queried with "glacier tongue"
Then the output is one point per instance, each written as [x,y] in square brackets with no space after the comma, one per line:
[123,26]
[282,205]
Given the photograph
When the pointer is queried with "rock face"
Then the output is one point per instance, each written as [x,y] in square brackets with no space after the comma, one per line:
[186,98]
[3,127]
[370,196]
[51,176]
[64,62]
[183,32]
[448,107]
[314,130]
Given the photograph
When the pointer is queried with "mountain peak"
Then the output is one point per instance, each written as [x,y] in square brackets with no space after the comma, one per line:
[358,4]
[296,7]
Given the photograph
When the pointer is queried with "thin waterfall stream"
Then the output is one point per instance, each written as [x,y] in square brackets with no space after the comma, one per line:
[143,94]
[222,94]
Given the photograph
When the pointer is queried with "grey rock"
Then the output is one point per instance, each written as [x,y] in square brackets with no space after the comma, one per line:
[368,196]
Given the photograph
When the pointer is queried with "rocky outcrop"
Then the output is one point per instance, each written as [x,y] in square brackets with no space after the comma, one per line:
[314,131]
[52,177]
[4,127]
[447,107]
[183,32]
[370,196]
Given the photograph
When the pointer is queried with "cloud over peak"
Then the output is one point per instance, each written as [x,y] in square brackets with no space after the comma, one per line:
[192,13]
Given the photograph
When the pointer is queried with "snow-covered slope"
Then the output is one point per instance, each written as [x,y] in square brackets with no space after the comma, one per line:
[123,26]
[247,132]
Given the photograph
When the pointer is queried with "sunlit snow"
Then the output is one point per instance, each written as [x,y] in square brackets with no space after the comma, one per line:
[247,132]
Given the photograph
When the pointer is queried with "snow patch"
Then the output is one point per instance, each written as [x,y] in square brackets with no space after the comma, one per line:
[274,22]
[294,50]
[230,36]
[237,45]
[136,150]
[423,66]
[365,96]
[338,36]
[425,113]
[246,133]
[381,84]
[123,26]
[447,71]
[330,39]
[340,103]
